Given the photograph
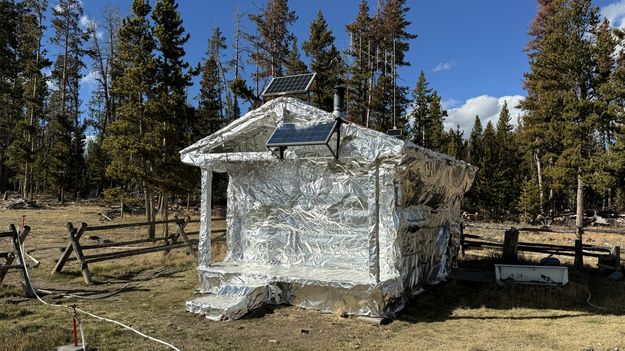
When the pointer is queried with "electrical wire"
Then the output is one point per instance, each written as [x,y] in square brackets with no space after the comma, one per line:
[129,328]
[88,313]
[593,305]
[87,297]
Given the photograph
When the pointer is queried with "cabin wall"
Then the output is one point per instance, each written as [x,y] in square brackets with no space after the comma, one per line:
[429,194]
[300,212]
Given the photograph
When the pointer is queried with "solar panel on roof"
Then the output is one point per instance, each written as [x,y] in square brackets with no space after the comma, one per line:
[296,84]
[306,133]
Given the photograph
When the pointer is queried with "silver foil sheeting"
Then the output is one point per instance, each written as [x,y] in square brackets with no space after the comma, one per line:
[360,234]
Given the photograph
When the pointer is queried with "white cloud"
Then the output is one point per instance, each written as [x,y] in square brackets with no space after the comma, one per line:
[448,104]
[86,22]
[51,86]
[485,106]
[615,13]
[444,66]
[90,80]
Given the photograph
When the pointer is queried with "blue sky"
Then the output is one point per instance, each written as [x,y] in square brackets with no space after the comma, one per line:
[471,51]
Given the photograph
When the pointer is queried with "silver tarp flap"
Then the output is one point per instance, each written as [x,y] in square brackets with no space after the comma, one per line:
[359,235]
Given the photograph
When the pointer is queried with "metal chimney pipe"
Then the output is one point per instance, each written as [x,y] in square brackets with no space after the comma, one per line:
[339,101]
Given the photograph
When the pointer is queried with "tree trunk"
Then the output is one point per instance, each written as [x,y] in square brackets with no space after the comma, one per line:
[165,214]
[539,174]
[579,220]
[148,213]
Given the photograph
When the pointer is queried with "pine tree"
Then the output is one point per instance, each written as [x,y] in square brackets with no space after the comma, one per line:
[103,51]
[216,44]
[529,201]
[420,109]
[295,65]
[475,155]
[22,151]
[132,143]
[209,117]
[392,43]
[10,90]
[68,132]
[508,163]
[475,150]
[489,195]
[360,72]
[238,85]
[325,61]
[456,147]
[561,89]
[173,80]
[272,38]
[435,129]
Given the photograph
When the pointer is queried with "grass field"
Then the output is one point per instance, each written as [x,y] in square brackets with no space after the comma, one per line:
[450,316]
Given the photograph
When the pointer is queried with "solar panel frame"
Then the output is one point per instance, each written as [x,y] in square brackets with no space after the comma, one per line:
[291,142]
[396,132]
[293,85]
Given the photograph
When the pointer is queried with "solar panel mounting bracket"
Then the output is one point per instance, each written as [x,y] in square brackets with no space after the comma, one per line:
[281,147]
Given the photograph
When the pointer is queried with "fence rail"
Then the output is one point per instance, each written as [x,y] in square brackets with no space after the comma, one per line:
[170,242]
[608,257]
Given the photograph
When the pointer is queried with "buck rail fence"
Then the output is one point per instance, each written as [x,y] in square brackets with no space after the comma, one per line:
[9,256]
[608,258]
[169,242]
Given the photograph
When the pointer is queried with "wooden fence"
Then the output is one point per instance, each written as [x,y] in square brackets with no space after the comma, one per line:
[10,256]
[608,257]
[169,242]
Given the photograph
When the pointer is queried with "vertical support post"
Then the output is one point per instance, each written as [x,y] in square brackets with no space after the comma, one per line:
[338,140]
[30,292]
[84,268]
[204,244]
[68,248]
[374,224]
[510,246]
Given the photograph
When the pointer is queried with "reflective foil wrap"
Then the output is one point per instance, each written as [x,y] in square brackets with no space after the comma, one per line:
[358,235]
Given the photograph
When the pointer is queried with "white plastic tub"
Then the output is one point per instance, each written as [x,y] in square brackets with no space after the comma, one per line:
[549,275]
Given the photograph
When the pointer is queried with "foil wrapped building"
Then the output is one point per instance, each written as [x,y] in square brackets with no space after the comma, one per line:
[357,235]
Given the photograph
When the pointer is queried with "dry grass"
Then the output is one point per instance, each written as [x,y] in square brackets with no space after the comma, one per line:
[450,316]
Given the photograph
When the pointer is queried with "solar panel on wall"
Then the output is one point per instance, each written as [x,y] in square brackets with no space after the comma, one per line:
[296,84]
[306,133]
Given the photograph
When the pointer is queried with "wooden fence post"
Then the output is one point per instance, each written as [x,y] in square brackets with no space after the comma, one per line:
[9,260]
[510,246]
[84,268]
[579,254]
[616,252]
[30,292]
[181,226]
[69,248]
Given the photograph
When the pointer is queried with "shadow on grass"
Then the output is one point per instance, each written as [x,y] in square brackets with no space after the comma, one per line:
[263,311]
[440,302]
